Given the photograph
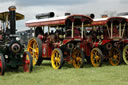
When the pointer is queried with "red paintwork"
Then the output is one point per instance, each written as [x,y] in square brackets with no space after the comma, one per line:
[26,68]
[40,37]
[105,41]
[47,49]
[118,19]
[47,46]
[56,21]
[65,41]
[125,41]
[88,43]
[44,50]
[86,47]
[50,49]
[67,59]
[103,22]
[26,64]
[0,64]
[98,23]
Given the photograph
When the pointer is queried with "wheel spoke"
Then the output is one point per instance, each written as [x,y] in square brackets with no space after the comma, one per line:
[115,57]
[30,48]
[126,54]
[126,57]
[34,60]
[77,58]
[96,57]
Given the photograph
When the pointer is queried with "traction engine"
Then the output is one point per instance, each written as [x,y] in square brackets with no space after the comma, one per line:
[12,54]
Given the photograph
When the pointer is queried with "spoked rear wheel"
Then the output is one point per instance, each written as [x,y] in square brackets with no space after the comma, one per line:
[2,64]
[125,54]
[96,57]
[35,48]
[77,58]
[57,58]
[115,56]
[27,62]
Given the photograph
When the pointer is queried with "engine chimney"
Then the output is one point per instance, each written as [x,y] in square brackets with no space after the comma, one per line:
[67,14]
[92,16]
[12,19]
[104,16]
[45,15]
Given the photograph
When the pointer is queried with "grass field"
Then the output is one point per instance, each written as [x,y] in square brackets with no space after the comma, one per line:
[88,75]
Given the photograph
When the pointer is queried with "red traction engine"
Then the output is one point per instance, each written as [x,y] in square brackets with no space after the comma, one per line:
[12,54]
[109,37]
[61,43]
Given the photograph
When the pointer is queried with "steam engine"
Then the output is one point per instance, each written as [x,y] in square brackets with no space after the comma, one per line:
[12,53]
[9,44]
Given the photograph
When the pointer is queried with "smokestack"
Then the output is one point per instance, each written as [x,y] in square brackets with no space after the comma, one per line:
[12,19]
[122,14]
[92,16]
[104,16]
[44,15]
[67,14]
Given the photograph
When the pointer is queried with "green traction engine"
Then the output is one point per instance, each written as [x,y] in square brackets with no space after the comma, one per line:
[12,54]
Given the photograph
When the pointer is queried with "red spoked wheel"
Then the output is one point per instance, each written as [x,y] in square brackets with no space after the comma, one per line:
[27,62]
[2,64]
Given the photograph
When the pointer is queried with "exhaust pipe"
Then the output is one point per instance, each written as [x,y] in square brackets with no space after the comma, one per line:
[12,19]
[45,15]
[67,14]
[92,16]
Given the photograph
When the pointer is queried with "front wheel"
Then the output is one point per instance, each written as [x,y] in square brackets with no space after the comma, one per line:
[27,62]
[125,54]
[35,49]
[2,64]
[96,57]
[115,57]
[57,58]
[78,58]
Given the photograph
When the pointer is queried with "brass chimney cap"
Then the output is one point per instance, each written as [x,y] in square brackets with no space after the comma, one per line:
[12,8]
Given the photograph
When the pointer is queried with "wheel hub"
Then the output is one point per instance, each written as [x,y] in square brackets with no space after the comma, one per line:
[115,56]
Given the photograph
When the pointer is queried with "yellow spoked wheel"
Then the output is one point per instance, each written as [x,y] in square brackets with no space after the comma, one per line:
[57,58]
[35,49]
[115,56]
[77,58]
[125,54]
[96,57]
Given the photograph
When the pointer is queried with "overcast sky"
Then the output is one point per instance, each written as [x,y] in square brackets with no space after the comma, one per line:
[32,7]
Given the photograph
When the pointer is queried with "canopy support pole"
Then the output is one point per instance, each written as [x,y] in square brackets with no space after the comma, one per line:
[72,29]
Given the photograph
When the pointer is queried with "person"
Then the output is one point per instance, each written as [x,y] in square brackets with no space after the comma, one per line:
[115,31]
[52,32]
[1,36]
[38,31]
[77,32]
[93,34]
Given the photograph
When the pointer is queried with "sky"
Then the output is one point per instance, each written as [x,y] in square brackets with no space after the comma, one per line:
[32,7]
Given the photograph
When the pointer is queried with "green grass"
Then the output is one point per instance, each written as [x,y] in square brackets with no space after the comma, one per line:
[88,75]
